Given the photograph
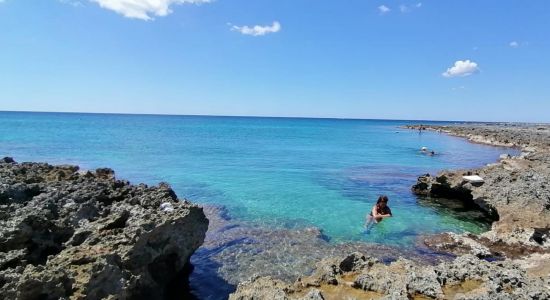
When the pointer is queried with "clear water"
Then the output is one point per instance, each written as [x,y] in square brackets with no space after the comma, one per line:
[277,172]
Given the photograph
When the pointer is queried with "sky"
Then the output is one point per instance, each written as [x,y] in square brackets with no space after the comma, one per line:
[425,60]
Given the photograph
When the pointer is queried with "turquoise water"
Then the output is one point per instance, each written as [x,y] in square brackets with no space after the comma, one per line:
[274,171]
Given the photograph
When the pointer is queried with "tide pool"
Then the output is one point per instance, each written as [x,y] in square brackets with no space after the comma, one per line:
[278,172]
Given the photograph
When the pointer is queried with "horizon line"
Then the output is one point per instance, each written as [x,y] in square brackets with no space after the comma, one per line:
[260,116]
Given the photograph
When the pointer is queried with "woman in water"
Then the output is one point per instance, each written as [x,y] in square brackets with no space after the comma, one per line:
[379,211]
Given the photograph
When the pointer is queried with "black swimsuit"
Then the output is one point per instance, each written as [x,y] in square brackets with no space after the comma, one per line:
[383,211]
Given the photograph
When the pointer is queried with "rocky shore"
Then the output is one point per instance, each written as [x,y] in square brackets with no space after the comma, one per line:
[361,277]
[515,192]
[511,261]
[66,234]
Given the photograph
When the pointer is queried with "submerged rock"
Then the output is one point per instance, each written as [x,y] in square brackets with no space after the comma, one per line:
[65,234]
[235,250]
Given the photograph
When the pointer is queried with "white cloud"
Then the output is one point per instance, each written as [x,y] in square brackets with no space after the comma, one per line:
[403,8]
[461,68]
[257,30]
[383,9]
[143,9]
[514,44]
[419,4]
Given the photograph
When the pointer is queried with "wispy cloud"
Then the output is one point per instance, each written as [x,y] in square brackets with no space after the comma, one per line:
[257,30]
[383,9]
[516,44]
[144,9]
[461,68]
[403,8]
[74,3]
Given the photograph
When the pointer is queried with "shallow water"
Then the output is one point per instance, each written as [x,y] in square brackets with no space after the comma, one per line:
[235,250]
[282,173]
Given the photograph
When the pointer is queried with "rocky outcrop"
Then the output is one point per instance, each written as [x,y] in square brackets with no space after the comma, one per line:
[66,234]
[360,277]
[515,191]
[482,246]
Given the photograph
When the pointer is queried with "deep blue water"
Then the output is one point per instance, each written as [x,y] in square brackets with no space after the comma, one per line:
[274,171]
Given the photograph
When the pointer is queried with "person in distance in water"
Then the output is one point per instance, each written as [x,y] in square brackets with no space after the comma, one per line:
[379,211]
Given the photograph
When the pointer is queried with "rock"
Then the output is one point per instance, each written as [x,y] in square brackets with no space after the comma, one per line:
[104,173]
[356,261]
[515,192]
[264,288]
[467,277]
[407,280]
[314,294]
[459,244]
[325,273]
[65,234]
[422,186]
[167,207]
[7,160]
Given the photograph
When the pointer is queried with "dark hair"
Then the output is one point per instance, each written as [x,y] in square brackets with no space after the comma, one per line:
[382,198]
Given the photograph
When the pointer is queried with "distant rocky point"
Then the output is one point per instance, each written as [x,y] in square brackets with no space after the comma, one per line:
[66,234]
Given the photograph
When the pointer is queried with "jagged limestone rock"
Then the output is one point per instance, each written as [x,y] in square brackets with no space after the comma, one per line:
[65,234]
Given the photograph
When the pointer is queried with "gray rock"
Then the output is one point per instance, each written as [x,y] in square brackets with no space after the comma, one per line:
[314,294]
[264,288]
[355,262]
[65,234]
[467,277]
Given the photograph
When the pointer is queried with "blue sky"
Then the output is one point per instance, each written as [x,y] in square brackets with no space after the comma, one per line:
[345,59]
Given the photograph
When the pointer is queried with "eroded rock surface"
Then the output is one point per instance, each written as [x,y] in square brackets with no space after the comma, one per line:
[360,277]
[515,191]
[71,235]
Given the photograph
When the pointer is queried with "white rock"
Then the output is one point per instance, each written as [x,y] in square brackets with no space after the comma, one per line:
[167,207]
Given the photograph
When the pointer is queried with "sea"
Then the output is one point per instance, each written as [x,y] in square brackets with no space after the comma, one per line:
[270,173]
